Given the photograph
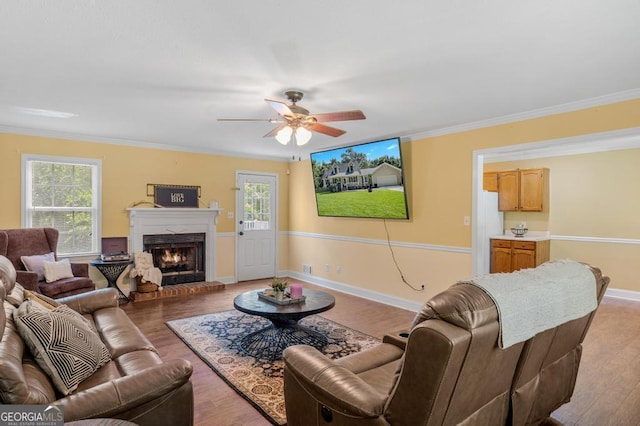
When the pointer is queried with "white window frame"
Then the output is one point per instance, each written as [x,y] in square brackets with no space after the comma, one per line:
[96,210]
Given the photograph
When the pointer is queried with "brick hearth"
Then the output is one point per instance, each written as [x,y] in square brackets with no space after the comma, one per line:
[176,290]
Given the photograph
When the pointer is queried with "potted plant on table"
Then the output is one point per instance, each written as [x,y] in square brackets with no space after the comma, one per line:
[279,285]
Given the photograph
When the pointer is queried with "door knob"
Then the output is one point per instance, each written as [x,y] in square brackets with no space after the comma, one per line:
[241,233]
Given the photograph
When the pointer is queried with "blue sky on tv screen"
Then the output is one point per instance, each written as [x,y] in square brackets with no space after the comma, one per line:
[373,150]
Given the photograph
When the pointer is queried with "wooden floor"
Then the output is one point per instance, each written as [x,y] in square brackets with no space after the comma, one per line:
[607,390]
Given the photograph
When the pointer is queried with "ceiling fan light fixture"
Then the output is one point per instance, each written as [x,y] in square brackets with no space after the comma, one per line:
[302,136]
[284,135]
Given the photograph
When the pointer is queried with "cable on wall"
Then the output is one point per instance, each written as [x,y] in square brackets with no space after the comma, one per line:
[395,262]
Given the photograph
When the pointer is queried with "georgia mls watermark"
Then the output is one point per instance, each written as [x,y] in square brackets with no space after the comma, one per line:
[31,415]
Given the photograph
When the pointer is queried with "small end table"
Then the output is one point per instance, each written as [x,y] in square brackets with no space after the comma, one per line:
[112,271]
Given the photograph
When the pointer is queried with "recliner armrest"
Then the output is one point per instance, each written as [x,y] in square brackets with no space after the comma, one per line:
[122,394]
[87,303]
[80,269]
[398,338]
[334,386]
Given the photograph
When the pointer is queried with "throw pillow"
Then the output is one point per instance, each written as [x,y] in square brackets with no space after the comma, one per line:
[62,345]
[35,263]
[47,303]
[54,271]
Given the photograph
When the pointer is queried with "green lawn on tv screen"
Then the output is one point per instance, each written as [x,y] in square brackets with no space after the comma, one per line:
[382,203]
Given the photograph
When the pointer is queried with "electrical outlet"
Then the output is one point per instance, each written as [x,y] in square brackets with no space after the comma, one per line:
[466,220]
[229,215]
[327,268]
[338,269]
[306,268]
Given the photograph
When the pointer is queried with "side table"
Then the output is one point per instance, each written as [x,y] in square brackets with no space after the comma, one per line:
[112,271]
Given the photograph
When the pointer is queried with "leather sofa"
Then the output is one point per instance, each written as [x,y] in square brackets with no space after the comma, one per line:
[15,243]
[135,385]
[446,369]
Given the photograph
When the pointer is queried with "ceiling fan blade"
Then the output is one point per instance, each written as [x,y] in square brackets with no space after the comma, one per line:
[274,131]
[269,120]
[340,116]
[331,131]
[281,108]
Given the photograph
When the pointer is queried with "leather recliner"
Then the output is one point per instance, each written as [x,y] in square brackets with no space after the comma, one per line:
[448,370]
[15,243]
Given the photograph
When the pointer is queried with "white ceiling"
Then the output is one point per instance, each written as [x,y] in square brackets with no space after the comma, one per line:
[161,72]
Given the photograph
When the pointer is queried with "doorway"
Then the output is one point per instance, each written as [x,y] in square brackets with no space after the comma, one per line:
[256,225]
[574,145]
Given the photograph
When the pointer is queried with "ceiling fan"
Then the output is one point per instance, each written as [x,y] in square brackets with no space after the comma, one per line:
[297,123]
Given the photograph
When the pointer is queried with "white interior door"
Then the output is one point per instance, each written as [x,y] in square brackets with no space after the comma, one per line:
[256,225]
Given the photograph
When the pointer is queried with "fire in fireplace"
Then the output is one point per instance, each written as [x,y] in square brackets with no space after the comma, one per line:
[180,257]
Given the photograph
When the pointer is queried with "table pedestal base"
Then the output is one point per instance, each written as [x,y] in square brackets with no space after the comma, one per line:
[270,341]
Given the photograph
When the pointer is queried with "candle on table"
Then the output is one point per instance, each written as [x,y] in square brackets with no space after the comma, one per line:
[296,291]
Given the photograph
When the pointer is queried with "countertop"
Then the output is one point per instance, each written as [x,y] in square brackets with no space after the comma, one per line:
[529,236]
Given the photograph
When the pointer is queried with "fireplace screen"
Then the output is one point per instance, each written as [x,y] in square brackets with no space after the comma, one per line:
[180,257]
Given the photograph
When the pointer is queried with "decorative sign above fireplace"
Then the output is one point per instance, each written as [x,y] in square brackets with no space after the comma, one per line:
[174,195]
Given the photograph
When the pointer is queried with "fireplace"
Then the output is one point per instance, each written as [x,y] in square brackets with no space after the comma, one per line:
[180,257]
[176,222]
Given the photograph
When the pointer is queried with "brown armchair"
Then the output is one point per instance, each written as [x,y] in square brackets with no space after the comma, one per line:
[15,243]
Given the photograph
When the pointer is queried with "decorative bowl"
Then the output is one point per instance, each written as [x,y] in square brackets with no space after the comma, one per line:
[519,232]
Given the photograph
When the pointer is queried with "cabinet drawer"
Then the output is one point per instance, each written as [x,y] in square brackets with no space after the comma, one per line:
[501,243]
[524,245]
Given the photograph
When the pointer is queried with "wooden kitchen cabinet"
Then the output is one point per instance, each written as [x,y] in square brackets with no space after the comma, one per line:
[523,190]
[490,181]
[512,255]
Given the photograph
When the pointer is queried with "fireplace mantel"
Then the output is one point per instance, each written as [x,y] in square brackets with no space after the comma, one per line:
[148,221]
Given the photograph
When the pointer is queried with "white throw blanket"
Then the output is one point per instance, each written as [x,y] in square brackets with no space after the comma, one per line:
[533,300]
[143,267]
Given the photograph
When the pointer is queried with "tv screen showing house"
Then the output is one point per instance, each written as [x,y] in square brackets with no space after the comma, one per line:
[363,180]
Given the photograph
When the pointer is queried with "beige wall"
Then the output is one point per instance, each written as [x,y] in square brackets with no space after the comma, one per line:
[432,248]
[438,172]
[127,170]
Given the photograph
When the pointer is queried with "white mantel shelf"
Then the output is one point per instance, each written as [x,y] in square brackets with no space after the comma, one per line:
[159,221]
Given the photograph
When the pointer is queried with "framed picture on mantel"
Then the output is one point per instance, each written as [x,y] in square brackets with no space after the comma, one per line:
[174,195]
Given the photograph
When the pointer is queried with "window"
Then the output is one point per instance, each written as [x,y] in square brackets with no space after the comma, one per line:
[257,203]
[63,193]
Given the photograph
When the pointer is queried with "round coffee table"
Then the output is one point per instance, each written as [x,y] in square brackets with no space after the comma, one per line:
[284,330]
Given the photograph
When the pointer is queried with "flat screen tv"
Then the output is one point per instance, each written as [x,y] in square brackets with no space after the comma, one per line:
[364,180]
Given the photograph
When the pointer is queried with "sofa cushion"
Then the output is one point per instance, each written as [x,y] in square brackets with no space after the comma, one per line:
[54,271]
[67,287]
[62,345]
[35,263]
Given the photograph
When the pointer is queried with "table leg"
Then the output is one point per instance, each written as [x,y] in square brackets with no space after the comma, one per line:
[270,341]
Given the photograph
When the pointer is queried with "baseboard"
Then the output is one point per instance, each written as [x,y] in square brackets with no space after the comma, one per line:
[623,294]
[375,296]
[226,280]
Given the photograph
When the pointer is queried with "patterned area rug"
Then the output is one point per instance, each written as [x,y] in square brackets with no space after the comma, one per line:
[216,339]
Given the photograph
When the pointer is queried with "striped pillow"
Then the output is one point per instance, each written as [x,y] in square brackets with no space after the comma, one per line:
[62,345]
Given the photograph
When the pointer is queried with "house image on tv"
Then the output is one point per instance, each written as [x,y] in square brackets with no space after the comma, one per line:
[349,176]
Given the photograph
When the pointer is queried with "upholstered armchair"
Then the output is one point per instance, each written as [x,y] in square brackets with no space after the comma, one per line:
[34,246]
